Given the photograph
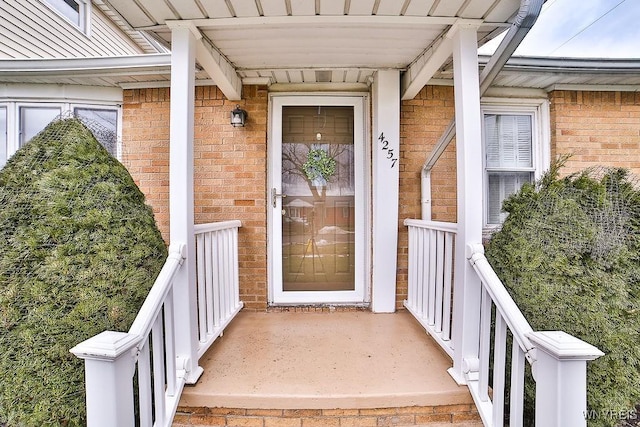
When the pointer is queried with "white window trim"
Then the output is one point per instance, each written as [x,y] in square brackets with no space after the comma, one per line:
[84,15]
[538,109]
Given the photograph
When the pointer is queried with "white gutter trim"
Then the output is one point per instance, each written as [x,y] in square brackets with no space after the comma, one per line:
[64,65]
[524,20]
[569,65]
[593,87]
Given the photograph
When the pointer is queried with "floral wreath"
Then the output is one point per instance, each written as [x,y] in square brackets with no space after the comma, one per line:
[319,165]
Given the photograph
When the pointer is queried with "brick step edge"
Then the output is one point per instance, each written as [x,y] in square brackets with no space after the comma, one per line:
[444,415]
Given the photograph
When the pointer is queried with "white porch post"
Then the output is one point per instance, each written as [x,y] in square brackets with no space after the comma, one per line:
[386,179]
[466,298]
[561,378]
[181,210]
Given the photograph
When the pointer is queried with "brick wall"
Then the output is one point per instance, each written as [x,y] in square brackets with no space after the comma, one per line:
[422,121]
[230,169]
[596,128]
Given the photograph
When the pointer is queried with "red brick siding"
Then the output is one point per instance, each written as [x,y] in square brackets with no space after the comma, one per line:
[596,128]
[230,169]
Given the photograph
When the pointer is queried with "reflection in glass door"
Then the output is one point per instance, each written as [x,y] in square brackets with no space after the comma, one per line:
[318,180]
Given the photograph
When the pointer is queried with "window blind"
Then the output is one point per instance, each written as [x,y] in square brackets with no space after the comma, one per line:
[509,159]
[508,141]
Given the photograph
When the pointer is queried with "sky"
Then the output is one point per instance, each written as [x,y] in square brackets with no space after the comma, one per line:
[582,29]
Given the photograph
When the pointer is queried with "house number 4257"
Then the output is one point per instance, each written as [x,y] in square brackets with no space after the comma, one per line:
[384,146]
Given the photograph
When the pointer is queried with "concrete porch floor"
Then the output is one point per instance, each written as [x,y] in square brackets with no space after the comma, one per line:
[293,360]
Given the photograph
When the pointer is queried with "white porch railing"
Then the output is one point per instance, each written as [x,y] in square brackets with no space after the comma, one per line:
[430,293]
[217,278]
[113,358]
[558,359]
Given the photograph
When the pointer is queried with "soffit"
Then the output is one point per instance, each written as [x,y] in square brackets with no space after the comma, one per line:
[287,41]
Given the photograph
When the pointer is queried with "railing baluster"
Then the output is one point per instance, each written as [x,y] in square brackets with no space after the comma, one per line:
[499,364]
[448,280]
[170,345]
[516,390]
[236,269]
[144,386]
[485,340]
[420,272]
[201,256]
[431,294]
[439,285]
[209,297]
[159,382]
[411,277]
[227,274]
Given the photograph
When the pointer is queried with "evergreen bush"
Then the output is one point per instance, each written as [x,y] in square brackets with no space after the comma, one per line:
[79,251]
[569,255]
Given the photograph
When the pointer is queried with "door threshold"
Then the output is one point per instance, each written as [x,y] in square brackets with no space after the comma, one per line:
[317,308]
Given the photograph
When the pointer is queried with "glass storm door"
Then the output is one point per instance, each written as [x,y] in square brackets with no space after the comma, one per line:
[317,218]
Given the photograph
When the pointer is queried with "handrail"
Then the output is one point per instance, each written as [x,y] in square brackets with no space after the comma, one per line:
[216,226]
[152,305]
[507,307]
[450,227]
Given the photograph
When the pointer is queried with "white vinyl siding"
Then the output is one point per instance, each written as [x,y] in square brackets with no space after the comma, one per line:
[33,29]
[515,152]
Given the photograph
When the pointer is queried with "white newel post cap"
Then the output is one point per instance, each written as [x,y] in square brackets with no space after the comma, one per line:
[107,345]
[563,346]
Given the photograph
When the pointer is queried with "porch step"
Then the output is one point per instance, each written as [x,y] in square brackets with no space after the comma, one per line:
[428,416]
[325,368]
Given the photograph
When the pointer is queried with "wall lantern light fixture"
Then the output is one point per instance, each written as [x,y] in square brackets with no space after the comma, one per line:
[238,117]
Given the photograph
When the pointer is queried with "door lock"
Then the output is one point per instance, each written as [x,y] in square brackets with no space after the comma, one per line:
[275,195]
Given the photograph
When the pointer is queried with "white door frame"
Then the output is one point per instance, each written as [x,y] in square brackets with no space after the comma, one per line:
[362,222]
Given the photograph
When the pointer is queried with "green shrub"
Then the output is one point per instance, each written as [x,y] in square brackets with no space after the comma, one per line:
[569,254]
[79,251]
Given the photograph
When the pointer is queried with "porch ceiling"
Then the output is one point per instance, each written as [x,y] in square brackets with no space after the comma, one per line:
[321,41]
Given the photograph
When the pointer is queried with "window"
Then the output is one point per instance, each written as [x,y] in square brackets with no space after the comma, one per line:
[34,119]
[76,11]
[3,136]
[21,121]
[516,146]
[106,129]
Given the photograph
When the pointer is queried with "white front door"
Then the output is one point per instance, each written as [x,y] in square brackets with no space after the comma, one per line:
[317,206]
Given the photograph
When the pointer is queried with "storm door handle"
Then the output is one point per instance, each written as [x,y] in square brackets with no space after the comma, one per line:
[275,195]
